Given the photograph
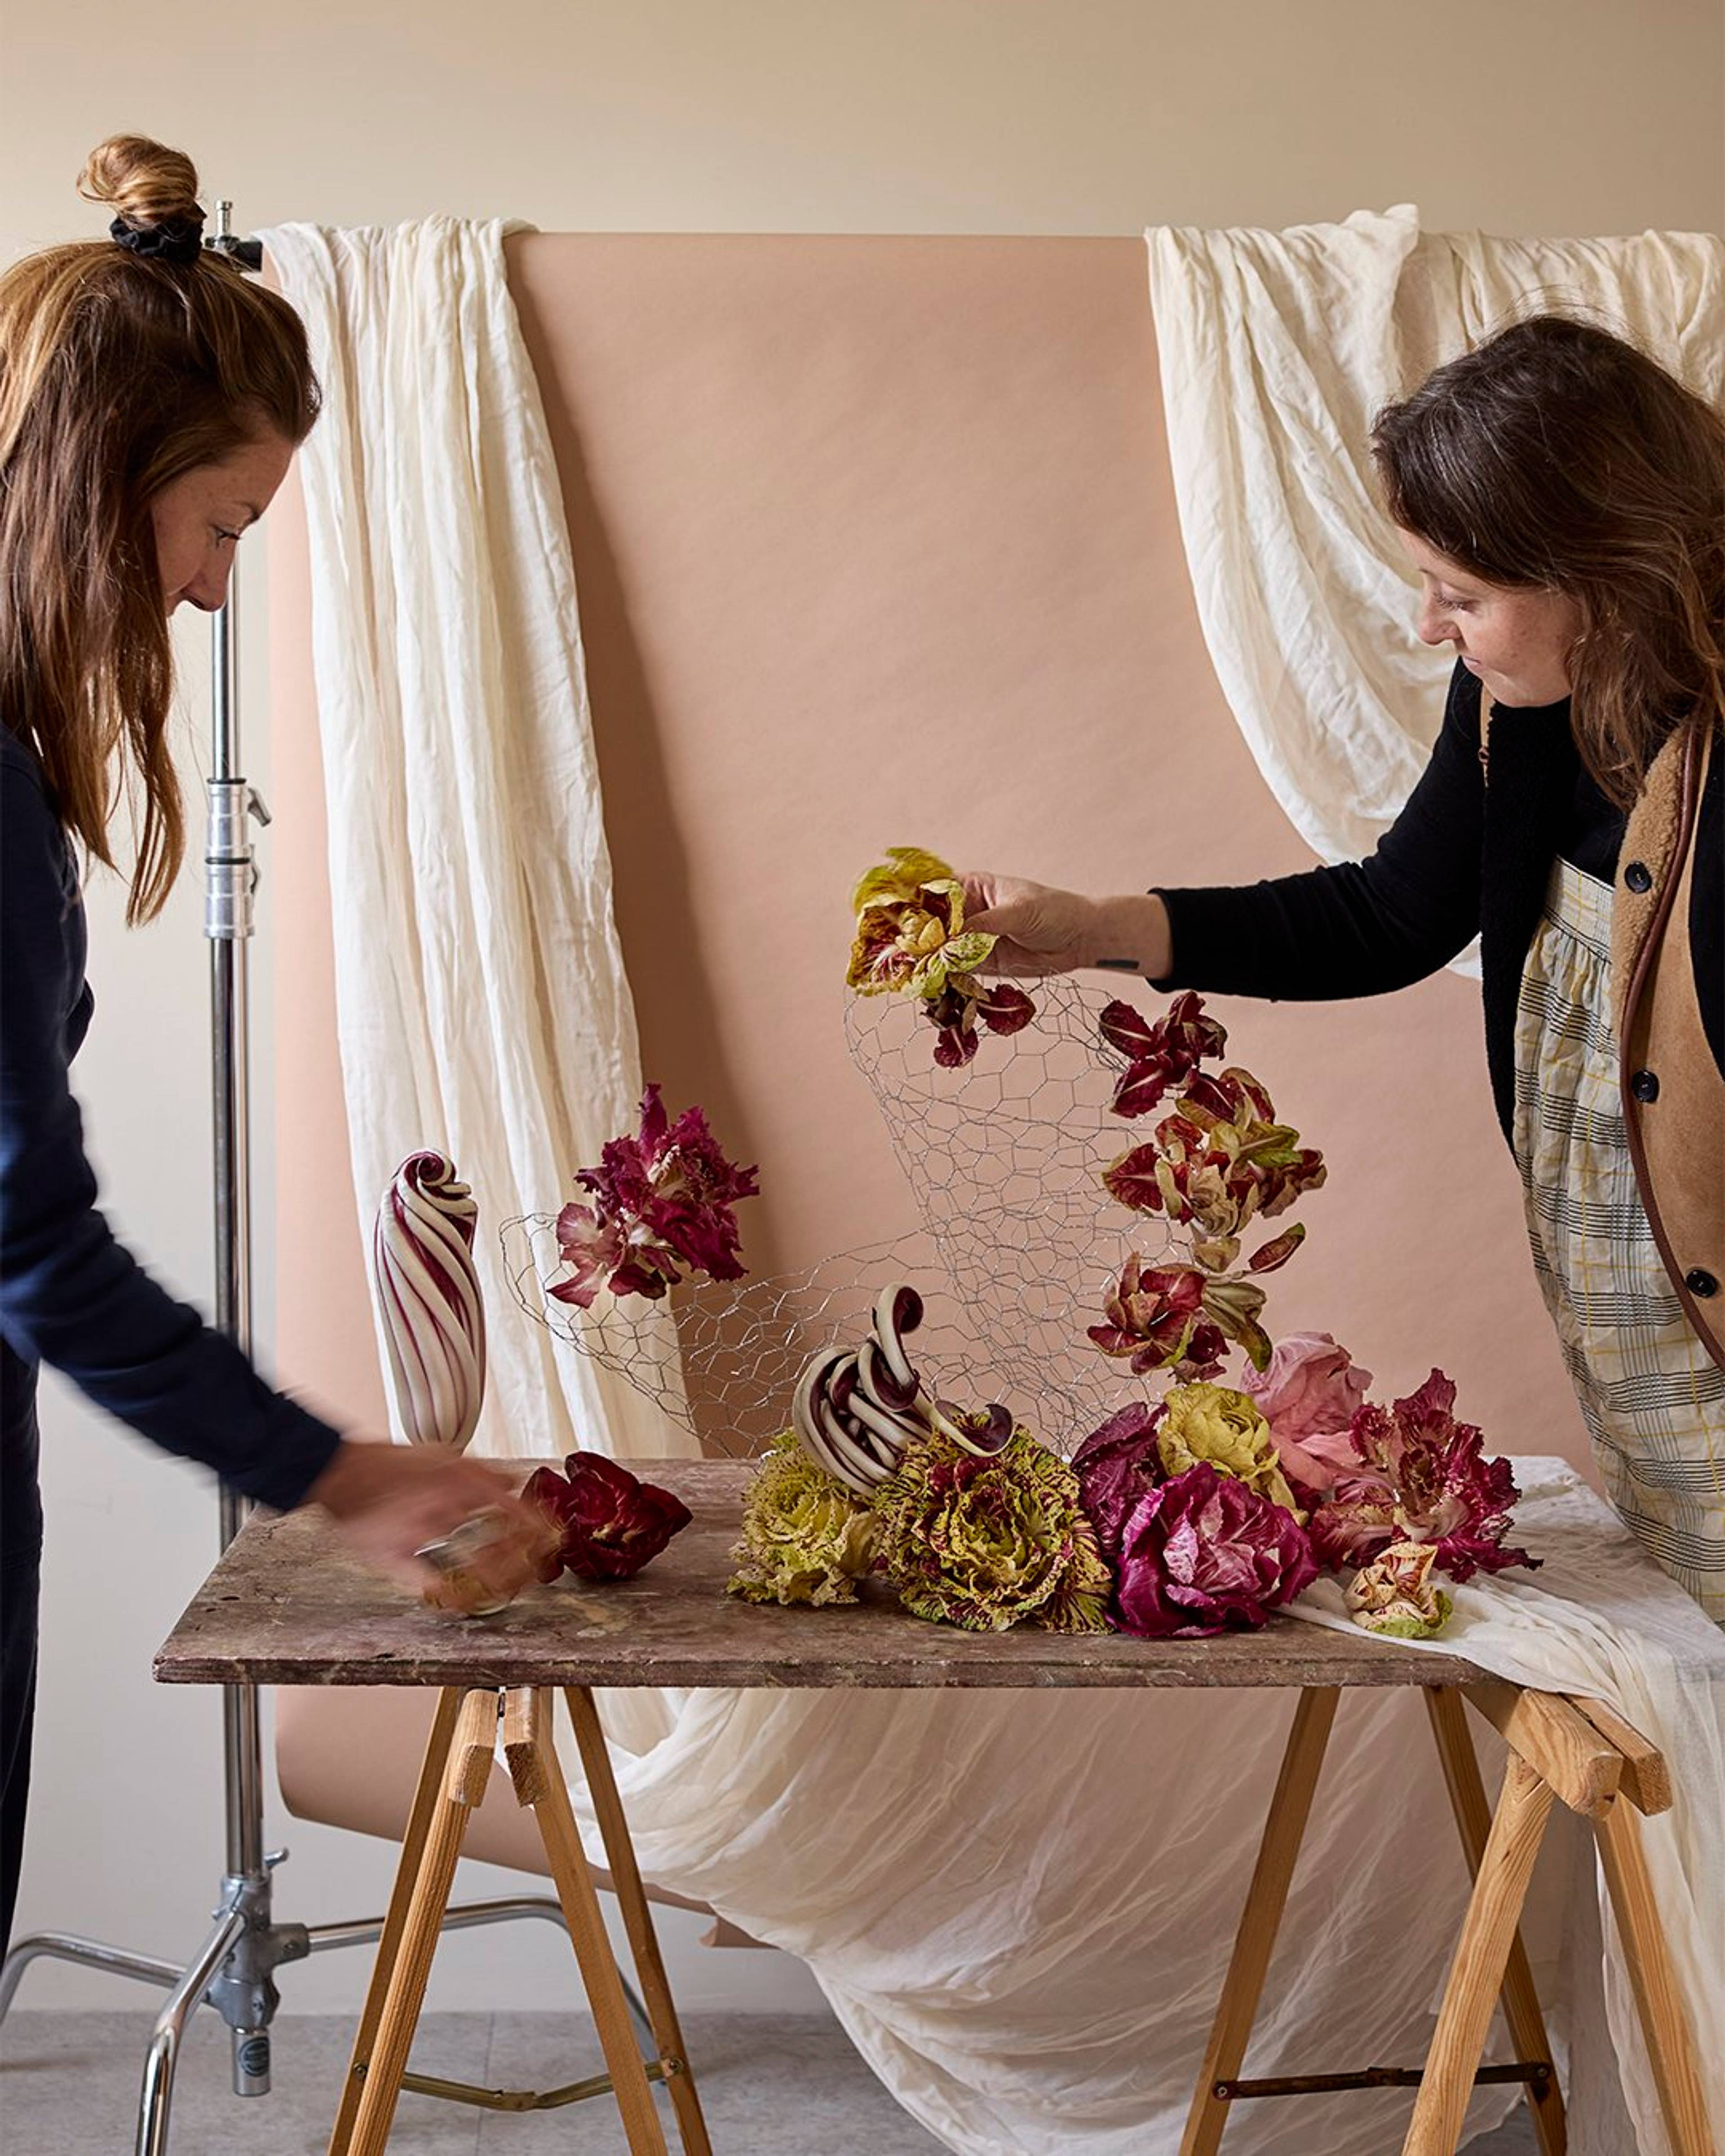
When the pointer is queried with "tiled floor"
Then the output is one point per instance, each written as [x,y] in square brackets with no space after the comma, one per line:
[771,2085]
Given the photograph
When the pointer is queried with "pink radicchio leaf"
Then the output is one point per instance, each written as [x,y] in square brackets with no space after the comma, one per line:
[1309,1395]
[547,1490]
[1179,1040]
[1142,1087]
[1421,1477]
[593,1247]
[1286,1182]
[1159,1055]
[1232,1304]
[665,1202]
[1204,1553]
[1156,1316]
[1128,1030]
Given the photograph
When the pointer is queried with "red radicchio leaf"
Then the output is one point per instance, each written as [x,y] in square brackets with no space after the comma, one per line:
[613,1523]
[1203,1553]
[1423,1477]
[546,1489]
[1130,1180]
[1127,1029]
[1142,1087]
[1004,1008]
[1277,1252]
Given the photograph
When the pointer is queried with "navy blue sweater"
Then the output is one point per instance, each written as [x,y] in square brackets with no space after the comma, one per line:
[1462,859]
[70,1295]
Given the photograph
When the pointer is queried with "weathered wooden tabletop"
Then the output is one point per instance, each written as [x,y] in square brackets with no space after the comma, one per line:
[286,1606]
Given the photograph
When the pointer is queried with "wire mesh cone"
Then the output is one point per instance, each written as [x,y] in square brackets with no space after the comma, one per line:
[1019,1243]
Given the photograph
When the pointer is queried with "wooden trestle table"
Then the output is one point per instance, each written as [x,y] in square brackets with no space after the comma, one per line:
[286,1606]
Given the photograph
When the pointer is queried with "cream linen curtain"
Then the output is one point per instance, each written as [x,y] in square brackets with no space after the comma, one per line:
[1277,350]
[481,1001]
[1019,1904]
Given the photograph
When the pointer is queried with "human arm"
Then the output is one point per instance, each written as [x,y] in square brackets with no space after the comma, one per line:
[73,1296]
[1361,928]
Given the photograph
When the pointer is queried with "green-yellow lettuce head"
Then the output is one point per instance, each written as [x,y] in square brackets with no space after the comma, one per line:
[805,1538]
[1216,1423]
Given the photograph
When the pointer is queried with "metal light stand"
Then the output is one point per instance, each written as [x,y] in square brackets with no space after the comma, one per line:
[234,1969]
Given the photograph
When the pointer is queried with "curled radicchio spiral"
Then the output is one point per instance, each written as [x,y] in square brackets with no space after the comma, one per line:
[853,1412]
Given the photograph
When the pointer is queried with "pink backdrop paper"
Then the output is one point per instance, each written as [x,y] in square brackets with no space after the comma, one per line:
[876,543]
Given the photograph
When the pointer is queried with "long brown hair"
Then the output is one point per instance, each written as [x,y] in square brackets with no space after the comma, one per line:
[1556,455]
[119,372]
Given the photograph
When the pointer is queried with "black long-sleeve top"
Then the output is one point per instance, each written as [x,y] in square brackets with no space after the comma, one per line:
[71,1295]
[1462,859]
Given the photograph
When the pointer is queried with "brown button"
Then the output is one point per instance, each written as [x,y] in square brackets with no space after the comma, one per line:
[1701,1282]
[1644,1085]
[1638,876]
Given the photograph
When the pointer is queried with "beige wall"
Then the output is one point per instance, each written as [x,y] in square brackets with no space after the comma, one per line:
[1523,115]
[891,115]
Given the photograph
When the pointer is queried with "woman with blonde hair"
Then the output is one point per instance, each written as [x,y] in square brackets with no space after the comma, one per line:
[1562,499]
[150,401]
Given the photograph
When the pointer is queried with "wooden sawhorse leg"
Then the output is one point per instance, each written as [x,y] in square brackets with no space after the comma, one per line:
[452,1784]
[1602,1768]
[1220,2085]
[1284,1830]
[637,1923]
[1520,2002]
[426,1799]
[1645,1789]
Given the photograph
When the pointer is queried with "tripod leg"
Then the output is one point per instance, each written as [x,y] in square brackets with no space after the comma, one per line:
[638,1922]
[163,2054]
[86,1953]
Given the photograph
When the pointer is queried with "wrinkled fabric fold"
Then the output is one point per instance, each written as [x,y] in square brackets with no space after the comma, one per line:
[1276,351]
[481,1001]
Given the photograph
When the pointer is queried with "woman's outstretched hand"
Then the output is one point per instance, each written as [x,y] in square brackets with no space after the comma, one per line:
[1042,930]
[392,1500]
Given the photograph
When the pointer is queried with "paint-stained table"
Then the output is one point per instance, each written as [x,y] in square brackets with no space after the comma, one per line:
[286,1606]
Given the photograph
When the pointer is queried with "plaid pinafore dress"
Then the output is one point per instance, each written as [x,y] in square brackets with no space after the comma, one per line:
[1652,1398]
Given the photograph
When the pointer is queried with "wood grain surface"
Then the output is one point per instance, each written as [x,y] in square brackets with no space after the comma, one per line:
[286,1606]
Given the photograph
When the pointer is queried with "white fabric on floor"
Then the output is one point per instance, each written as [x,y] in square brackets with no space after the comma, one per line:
[1276,351]
[481,1000]
[1021,1904]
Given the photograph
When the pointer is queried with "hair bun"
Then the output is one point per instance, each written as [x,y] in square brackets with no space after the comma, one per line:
[147,183]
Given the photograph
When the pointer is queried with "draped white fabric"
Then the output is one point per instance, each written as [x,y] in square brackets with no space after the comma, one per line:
[1020,1904]
[1276,351]
[481,1001]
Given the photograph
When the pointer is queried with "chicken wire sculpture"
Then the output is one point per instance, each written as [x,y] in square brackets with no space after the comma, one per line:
[1019,1243]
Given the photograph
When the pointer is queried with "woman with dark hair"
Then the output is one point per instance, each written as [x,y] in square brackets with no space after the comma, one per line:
[150,402]
[1563,499]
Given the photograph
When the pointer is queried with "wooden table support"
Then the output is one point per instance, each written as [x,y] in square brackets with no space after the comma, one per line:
[286,1604]
[1559,1749]
[464,1741]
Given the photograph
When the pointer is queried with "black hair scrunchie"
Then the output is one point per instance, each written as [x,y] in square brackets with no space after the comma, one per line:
[176,239]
